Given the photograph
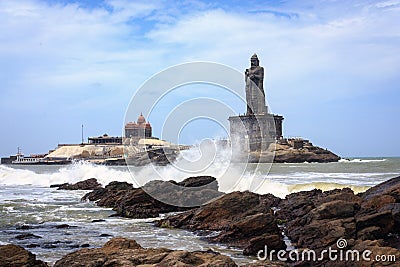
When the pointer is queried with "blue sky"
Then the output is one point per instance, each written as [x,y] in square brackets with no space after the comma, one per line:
[332,67]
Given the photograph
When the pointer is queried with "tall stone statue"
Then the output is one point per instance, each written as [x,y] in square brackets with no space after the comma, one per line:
[255,96]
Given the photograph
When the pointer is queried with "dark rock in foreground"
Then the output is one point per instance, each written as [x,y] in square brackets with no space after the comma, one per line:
[317,220]
[121,252]
[132,202]
[89,184]
[126,252]
[15,256]
[241,219]
[313,219]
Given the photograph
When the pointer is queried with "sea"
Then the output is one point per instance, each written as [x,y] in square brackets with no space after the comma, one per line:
[51,223]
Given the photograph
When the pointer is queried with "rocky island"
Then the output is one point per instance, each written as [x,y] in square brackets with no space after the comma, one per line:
[257,135]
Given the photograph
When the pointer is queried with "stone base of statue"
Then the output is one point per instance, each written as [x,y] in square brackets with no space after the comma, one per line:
[254,132]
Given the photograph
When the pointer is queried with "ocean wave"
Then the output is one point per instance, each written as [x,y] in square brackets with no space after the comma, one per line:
[326,187]
[231,177]
[282,189]
[69,174]
[361,160]
[329,175]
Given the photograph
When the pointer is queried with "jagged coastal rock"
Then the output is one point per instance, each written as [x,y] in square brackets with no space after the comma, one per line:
[132,202]
[121,252]
[316,219]
[241,219]
[313,220]
[89,184]
[287,152]
[126,252]
[15,256]
[307,153]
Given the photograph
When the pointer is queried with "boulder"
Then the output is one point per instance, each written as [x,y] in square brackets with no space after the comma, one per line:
[27,236]
[16,256]
[235,219]
[89,184]
[307,154]
[390,187]
[132,202]
[126,252]
[259,242]
[316,220]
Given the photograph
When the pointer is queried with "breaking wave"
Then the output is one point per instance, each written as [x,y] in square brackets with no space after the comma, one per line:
[68,174]
[361,160]
[81,171]
[231,177]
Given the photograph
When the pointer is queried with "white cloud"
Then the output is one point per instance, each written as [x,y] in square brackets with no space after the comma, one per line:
[298,52]
[323,51]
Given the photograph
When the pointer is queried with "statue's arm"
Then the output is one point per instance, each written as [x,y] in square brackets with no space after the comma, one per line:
[259,74]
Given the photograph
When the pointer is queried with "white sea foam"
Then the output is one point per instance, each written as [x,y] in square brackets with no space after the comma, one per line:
[68,174]
[215,162]
[361,160]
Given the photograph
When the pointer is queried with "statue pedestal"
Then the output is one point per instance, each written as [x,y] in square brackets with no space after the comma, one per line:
[251,133]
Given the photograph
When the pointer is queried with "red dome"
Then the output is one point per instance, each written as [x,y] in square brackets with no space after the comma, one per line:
[141,119]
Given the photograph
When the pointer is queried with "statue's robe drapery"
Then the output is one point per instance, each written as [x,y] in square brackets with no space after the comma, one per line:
[255,96]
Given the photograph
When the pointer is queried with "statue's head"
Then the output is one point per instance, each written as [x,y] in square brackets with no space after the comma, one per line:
[254,60]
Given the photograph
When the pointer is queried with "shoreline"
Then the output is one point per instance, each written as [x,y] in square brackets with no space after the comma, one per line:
[297,167]
[242,223]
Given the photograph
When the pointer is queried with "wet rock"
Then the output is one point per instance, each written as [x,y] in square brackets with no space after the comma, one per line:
[65,226]
[381,207]
[132,202]
[105,235]
[119,186]
[27,236]
[198,181]
[259,242]
[85,245]
[89,184]
[25,227]
[15,256]
[316,220]
[33,246]
[236,218]
[126,252]
[390,187]
[191,192]
[98,220]
[383,220]
[58,185]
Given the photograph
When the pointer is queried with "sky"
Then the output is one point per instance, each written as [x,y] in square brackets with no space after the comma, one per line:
[331,67]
